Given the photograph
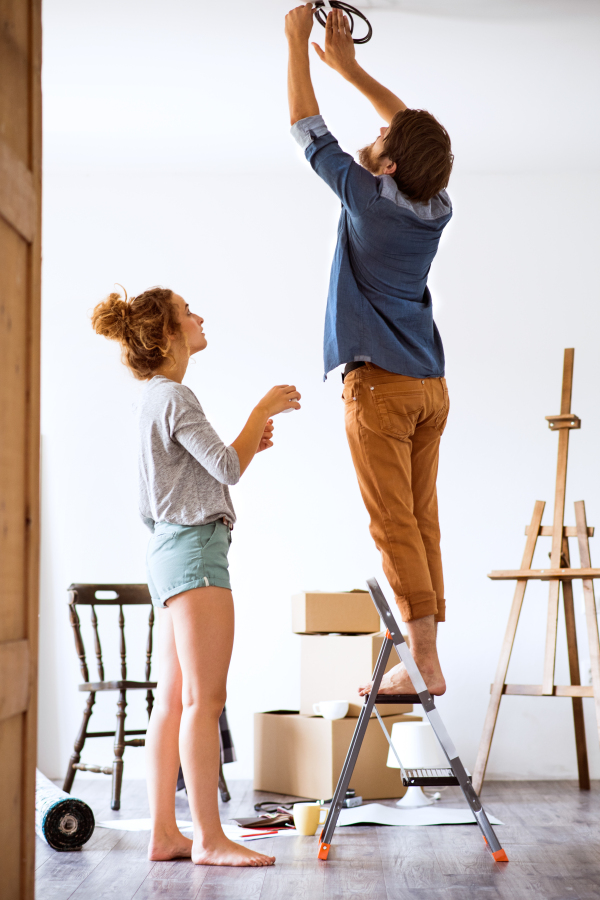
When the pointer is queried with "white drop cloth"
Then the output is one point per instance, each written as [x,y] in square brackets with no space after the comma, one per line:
[378,814]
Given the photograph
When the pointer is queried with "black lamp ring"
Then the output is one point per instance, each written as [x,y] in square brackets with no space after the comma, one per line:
[350,11]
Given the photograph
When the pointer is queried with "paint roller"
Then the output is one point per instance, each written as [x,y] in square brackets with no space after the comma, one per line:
[64,822]
[323,8]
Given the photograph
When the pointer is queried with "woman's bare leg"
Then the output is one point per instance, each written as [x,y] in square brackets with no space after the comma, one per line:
[162,749]
[203,623]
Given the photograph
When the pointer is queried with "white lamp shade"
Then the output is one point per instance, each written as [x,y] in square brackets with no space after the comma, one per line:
[417,747]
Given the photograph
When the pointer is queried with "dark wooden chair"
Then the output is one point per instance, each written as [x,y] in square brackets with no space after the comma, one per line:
[123,595]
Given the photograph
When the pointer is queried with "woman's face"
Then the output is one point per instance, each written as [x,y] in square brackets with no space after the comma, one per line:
[191,325]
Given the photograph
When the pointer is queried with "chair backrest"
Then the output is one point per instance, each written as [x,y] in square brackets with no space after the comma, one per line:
[120,595]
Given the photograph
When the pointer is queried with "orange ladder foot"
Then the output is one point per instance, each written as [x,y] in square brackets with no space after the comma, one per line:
[323,850]
[499,855]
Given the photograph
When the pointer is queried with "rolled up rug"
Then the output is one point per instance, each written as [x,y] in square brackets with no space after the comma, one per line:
[64,822]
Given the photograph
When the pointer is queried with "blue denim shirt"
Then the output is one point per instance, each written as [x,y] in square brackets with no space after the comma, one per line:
[379,306]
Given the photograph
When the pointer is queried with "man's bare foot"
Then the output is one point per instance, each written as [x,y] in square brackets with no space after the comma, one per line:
[224,852]
[396,681]
[172,846]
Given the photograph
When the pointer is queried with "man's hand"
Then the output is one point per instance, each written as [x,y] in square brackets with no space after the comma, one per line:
[299,23]
[339,50]
[266,440]
[339,53]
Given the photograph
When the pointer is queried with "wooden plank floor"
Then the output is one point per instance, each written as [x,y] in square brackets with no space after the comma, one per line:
[551,835]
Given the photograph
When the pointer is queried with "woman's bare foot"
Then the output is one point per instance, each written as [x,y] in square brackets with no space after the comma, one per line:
[223,852]
[397,681]
[169,846]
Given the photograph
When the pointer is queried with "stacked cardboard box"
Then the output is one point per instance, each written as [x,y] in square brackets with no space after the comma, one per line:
[301,754]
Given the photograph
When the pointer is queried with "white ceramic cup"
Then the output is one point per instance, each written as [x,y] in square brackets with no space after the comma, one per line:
[307,817]
[331,709]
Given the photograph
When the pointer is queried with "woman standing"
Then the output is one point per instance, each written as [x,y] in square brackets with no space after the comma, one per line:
[184,470]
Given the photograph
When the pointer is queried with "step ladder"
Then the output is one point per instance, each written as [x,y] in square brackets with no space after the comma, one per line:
[454,774]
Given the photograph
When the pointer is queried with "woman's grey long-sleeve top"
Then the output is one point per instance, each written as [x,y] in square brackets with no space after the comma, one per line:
[184,467]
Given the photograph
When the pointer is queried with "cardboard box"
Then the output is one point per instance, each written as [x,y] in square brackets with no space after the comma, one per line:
[350,612]
[333,666]
[303,756]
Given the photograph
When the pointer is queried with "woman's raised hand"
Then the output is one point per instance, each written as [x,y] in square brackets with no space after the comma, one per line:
[257,434]
[266,440]
[279,399]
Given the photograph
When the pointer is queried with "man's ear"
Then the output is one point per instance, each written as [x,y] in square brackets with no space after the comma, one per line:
[390,168]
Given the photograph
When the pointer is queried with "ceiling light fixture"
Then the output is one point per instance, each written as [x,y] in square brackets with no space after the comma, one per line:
[323,7]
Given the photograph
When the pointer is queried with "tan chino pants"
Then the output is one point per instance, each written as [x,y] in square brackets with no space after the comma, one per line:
[394,424]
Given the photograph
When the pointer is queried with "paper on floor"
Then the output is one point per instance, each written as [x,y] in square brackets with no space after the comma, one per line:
[237,833]
[139,824]
[377,814]
[233,832]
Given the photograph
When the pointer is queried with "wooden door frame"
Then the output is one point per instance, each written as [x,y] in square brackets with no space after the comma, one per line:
[33,457]
[20,207]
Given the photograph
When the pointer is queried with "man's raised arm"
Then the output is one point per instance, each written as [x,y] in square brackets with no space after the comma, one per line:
[340,55]
[301,94]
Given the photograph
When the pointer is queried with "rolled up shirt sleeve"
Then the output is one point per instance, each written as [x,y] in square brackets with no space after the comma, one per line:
[304,131]
[356,188]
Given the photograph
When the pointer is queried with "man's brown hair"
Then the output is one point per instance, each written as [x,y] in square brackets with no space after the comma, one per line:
[421,149]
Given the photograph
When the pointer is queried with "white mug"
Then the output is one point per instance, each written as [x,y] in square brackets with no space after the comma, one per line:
[331,709]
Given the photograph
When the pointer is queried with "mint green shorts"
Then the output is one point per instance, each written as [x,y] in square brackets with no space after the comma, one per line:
[182,557]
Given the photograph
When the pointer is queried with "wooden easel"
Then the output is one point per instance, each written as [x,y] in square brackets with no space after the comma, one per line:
[559,573]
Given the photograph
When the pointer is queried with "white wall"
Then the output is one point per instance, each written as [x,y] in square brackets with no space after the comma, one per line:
[213,200]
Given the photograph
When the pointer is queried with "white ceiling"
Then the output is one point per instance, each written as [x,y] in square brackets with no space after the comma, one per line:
[487,9]
[180,86]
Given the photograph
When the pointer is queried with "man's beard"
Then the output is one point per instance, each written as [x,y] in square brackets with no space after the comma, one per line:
[368,160]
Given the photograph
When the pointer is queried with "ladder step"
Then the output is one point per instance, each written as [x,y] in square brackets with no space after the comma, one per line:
[429,777]
[395,698]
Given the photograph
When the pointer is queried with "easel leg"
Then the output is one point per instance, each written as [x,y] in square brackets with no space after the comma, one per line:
[485,744]
[578,719]
[551,629]
[591,616]
[509,638]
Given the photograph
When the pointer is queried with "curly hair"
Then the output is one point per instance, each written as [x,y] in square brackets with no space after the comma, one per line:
[143,325]
[421,149]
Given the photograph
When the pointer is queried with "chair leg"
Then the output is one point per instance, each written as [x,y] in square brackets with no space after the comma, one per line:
[149,703]
[78,745]
[223,789]
[119,750]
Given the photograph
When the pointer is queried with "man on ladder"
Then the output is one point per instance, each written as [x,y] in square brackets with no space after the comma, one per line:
[379,323]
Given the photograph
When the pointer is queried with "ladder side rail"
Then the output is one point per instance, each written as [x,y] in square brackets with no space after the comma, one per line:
[382,607]
[353,751]
[475,804]
[451,753]
[343,782]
